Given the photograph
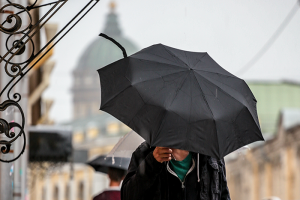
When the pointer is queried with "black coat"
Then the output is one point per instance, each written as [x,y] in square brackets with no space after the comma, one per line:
[148,179]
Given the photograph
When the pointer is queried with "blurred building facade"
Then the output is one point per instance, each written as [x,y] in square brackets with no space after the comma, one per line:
[270,168]
[94,132]
[13,176]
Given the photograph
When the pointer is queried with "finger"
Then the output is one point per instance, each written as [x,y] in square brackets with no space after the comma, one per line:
[165,155]
[164,159]
[161,147]
[162,154]
[164,150]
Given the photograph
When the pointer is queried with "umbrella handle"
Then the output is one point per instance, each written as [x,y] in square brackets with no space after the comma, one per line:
[116,43]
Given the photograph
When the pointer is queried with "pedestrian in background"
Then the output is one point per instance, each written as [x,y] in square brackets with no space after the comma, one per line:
[113,191]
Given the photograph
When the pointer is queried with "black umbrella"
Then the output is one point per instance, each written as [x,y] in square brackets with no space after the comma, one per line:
[180,99]
[102,163]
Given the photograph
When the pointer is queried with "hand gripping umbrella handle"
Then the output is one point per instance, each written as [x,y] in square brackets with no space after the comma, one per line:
[116,43]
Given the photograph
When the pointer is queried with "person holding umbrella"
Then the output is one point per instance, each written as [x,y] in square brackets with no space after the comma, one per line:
[185,106]
[168,173]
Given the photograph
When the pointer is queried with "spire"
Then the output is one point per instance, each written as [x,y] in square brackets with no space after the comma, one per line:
[112,6]
[112,26]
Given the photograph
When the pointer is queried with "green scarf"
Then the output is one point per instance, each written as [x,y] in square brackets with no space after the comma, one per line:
[181,167]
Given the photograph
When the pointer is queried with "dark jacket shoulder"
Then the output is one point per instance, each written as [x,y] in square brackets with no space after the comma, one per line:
[108,195]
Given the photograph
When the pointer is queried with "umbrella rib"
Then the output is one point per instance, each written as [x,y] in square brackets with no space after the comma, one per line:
[226,85]
[209,109]
[158,130]
[175,56]
[217,73]
[157,78]
[102,106]
[230,95]
[137,54]
[191,100]
[223,90]
[146,60]
[161,124]
[232,88]
[134,87]
[148,99]
[173,65]
[139,111]
[200,59]
[204,96]
[122,140]
[187,59]
[178,90]
[216,99]
[176,64]
[221,75]
[154,95]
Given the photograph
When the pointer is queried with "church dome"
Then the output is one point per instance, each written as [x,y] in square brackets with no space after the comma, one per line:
[101,52]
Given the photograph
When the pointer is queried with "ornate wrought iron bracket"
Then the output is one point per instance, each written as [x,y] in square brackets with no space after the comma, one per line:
[19,39]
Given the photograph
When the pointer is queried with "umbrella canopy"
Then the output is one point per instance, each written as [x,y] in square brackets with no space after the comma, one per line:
[126,145]
[102,163]
[180,99]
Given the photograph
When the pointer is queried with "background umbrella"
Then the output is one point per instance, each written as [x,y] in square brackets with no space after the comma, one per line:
[126,145]
[180,99]
[102,163]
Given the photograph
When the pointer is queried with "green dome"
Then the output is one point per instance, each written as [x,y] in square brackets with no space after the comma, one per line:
[101,51]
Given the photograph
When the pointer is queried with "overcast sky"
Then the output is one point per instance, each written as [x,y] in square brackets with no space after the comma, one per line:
[231,31]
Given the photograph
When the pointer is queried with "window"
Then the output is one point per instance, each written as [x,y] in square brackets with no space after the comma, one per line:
[56,193]
[92,133]
[82,112]
[88,81]
[78,137]
[67,192]
[44,193]
[113,128]
[81,191]
[77,81]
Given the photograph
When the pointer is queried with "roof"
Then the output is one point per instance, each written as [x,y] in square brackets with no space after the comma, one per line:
[273,82]
[272,97]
